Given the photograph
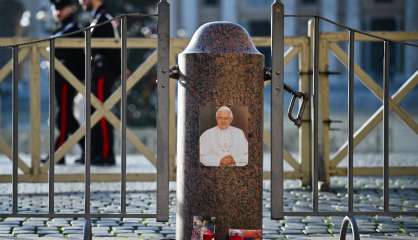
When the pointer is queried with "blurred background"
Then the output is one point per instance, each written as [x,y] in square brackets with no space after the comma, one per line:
[33,19]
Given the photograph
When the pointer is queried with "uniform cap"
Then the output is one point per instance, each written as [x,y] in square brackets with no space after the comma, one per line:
[59,4]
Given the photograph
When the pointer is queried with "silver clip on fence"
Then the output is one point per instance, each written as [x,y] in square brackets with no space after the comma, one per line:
[296,95]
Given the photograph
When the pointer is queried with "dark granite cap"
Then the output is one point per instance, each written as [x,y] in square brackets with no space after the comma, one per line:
[221,37]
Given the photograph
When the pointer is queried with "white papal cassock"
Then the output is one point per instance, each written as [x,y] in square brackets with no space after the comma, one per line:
[215,143]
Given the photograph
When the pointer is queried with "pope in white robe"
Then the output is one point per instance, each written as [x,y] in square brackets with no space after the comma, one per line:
[223,145]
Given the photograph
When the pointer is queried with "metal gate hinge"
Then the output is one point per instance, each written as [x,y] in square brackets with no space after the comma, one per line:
[174,72]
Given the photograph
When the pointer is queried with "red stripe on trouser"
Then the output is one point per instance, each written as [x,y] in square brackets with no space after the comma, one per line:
[63,114]
[103,125]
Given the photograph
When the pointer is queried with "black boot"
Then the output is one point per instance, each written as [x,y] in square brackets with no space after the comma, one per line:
[60,162]
[80,160]
[99,161]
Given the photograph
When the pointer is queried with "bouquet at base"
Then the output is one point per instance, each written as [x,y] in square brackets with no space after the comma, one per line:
[245,234]
[203,228]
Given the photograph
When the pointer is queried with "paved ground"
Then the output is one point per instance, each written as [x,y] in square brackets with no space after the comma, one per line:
[141,198]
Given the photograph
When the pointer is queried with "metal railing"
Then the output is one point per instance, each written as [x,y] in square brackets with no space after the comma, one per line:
[277,183]
[298,49]
[162,161]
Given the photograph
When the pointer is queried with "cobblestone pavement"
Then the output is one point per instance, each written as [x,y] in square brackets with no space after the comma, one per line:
[141,199]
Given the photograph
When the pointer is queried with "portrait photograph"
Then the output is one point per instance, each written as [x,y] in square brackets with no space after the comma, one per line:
[223,140]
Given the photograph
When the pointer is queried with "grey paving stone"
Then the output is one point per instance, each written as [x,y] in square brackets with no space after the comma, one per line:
[5,227]
[11,223]
[26,236]
[103,234]
[7,236]
[313,220]
[121,231]
[100,229]
[77,223]
[75,236]
[133,224]
[118,228]
[171,236]
[127,235]
[273,236]
[315,231]
[168,231]
[151,236]
[294,226]
[149,228]
[72,227]
[72,231]
[54,236]
[142,231]
[105,200]
[292,231]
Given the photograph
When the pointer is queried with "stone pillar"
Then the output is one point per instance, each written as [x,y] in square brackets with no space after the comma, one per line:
[220,66]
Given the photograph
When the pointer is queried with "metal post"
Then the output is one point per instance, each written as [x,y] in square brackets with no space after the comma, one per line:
[15,127]
[323,110]
[123,26]
[350,120]
[51,174]
[315,112]
[277,50]
[87,153]
[386,110]
[163,110]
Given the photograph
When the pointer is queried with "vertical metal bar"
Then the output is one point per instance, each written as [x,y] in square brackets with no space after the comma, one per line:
[87,153]
[386,61]
[15,127]
[350,120]
[87,231]
[51,174]
[163,110]
[277,49]
[323,110]
[123,59]
[315,112]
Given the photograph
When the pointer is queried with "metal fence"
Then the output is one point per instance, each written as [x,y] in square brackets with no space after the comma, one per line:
[162,161]
[298,49]
[277,178]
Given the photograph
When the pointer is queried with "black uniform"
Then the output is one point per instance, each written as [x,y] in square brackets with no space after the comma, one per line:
[105,70]
[64,92]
